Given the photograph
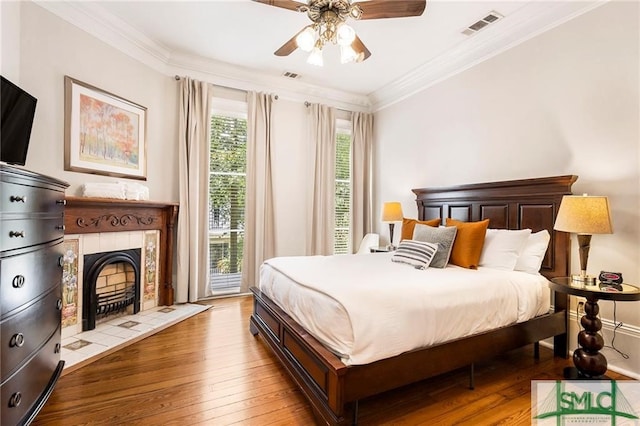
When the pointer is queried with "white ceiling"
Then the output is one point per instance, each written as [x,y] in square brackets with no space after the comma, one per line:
[237,38]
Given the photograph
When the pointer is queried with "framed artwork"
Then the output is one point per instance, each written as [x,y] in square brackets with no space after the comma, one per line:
[104,134]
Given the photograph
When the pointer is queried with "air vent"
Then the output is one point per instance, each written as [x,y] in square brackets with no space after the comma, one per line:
[288,74]
[491,18]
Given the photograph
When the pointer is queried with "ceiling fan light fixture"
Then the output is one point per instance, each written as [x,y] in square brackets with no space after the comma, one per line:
[306,39]
[329,26]
[315,58]
[345,35]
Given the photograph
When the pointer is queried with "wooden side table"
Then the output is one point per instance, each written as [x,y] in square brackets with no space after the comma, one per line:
[589,362]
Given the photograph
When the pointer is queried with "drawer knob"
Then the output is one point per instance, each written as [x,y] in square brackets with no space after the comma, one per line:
[15,399]
[59,304]
[18,281]
[16,234]
[17,340]
[61,202]
[61,261]
[17,198]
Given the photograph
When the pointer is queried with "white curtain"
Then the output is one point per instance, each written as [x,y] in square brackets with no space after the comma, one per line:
[193,231]
[259,229]
[361,176]
[321,214]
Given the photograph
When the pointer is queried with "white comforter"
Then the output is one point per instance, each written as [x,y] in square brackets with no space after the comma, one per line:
[366,308]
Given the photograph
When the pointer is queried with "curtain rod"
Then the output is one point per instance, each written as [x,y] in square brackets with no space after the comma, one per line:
[308,104]
[178,78]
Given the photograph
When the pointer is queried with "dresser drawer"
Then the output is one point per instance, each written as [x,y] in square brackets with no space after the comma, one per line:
[18,233]
[18,198]
[22,393]
[24,277]
[24,332]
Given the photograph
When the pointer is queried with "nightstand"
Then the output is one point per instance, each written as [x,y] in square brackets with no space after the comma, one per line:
[380,249]
[589,362]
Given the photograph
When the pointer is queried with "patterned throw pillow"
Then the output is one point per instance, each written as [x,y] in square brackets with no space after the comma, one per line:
[415,253]
[442,237]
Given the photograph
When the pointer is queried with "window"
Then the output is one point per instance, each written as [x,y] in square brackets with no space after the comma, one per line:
[342,232]
[227,183]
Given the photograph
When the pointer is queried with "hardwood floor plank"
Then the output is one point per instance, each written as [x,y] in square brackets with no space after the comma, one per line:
[209,370]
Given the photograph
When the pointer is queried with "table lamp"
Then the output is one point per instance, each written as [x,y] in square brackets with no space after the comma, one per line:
[584,215]
[391,212]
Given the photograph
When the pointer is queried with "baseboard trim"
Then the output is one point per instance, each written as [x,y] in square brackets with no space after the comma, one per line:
[626,338]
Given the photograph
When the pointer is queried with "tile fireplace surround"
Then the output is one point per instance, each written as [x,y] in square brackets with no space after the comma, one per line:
[100,215]
[77,246]
[95,225]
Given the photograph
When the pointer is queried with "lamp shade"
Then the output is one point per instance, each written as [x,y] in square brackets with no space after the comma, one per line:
[306,39]
[392,212]
[584,214]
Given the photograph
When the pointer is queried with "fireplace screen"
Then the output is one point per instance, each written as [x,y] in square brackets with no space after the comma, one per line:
[112,285]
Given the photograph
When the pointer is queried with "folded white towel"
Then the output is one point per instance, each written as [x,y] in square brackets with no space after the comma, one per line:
[104,190]
[135,191]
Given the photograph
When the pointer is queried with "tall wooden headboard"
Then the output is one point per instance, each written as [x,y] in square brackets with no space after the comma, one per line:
[514,204]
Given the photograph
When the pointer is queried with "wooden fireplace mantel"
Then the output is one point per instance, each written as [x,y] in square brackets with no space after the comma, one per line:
[83,215]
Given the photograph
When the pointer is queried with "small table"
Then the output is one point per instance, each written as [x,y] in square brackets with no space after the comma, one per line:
[589,362]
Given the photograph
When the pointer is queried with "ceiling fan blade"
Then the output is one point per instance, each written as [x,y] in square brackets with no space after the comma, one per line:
[291,45]
[285,4]
[361,50]
[378,9]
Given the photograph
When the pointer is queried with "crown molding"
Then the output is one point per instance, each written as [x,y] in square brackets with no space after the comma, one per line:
[532,19]
[527,22]
[242,78]
[95,20]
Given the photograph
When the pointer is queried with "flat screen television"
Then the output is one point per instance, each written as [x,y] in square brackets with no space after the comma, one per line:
[18,110]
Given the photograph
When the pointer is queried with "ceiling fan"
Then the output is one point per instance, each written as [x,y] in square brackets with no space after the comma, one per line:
[328,25]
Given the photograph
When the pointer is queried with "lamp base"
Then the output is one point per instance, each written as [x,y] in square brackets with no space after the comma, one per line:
[583,279]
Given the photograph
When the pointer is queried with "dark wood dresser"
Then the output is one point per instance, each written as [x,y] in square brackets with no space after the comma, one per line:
[32,230]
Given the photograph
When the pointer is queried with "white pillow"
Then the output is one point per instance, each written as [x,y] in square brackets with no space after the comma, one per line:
[415,253]
[530,259]
[502,248]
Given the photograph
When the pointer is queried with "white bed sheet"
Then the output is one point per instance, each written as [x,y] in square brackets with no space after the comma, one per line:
[366,308]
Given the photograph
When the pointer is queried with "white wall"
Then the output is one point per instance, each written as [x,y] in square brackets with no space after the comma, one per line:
[9,34]
[564,102]
[50,49]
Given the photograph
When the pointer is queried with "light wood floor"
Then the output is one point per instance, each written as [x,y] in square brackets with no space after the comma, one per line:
[210,370]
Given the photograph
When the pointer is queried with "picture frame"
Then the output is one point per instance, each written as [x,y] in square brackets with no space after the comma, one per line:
[104,133]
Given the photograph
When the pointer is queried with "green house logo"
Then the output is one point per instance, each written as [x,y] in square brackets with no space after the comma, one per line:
[585,402]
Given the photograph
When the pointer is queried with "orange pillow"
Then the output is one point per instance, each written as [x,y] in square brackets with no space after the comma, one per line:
[409,224]
[467,247]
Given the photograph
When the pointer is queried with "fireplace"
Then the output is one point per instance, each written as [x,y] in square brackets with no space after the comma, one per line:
[95,226]
[112,285]
[100,215]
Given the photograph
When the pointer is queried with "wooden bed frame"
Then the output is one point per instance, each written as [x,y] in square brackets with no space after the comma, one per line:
[334,389]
